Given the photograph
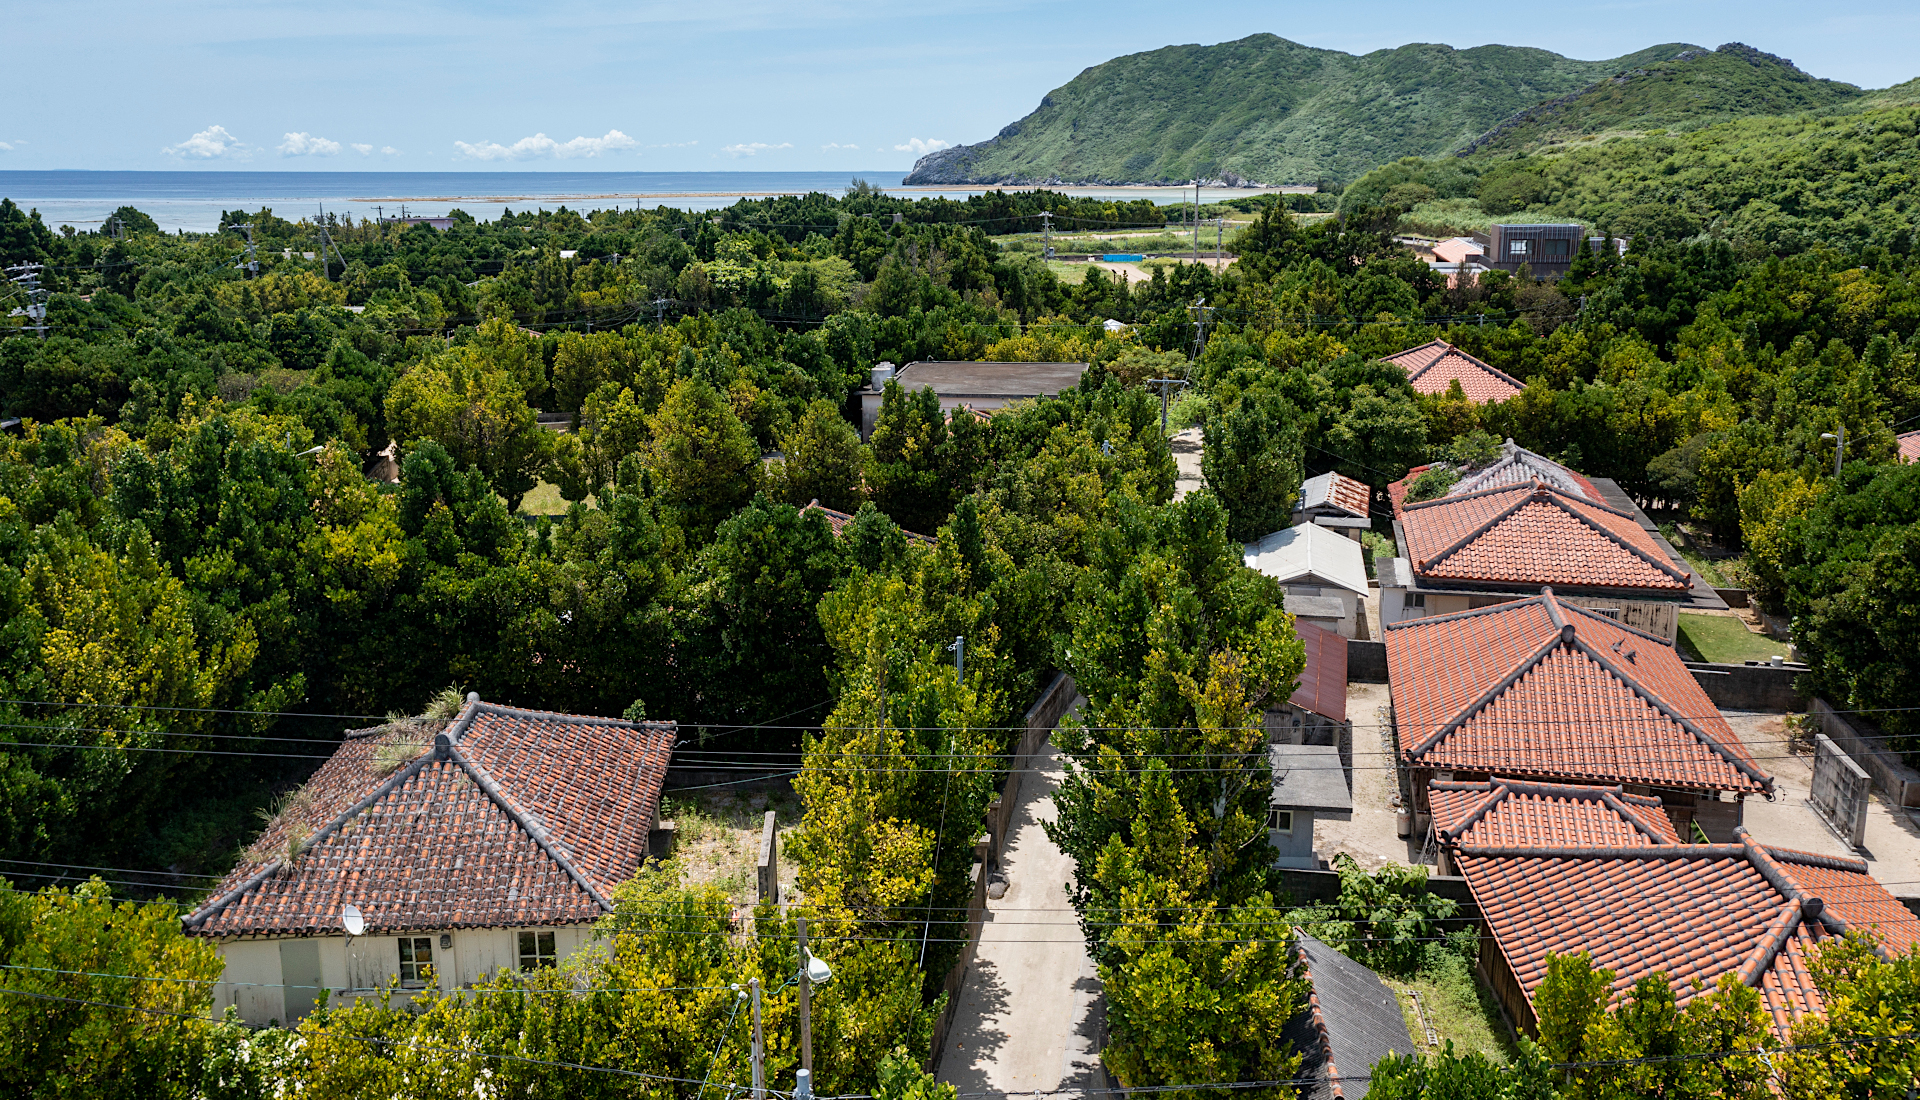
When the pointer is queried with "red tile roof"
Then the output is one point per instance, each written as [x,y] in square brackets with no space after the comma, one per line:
[1335,490]
[1323,684]
[1542,689]
[1534,534]
[1513,813]
[1692,911]
[1431,367]
[508,817]
[837,521]
[1909,444]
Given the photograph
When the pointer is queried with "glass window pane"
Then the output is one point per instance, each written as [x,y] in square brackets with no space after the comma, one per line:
[546,944]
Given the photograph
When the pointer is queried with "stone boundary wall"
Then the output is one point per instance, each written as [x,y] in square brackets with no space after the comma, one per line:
[1751,687]
[1864,743]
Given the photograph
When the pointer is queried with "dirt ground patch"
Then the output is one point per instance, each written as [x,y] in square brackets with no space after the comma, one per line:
[717,837]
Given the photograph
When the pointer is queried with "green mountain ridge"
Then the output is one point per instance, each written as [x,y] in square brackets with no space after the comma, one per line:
[1263,109]
[1691,91]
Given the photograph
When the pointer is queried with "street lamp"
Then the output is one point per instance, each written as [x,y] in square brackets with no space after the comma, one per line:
[1839,447]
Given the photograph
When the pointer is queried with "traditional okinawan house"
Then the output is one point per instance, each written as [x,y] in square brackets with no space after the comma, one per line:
[838,522]
[1517,813]
[1336,501]
[491,844]
[1523,521]
[1556,874]
[1433,368]
[1351,1021]
[1309,560]
[982,388]
[1542,690]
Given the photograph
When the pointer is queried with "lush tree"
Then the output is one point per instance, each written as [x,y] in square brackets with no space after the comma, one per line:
[823,460]
[703,462]
[1253,462]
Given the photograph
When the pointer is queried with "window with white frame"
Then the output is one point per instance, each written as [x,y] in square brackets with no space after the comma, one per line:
[1280,821]
[536,950]
[1516,248]
[1414,599]
[416,960]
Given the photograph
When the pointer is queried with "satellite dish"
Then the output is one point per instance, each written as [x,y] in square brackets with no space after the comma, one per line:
[352,921]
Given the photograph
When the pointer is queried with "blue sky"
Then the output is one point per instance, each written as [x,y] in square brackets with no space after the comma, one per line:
[645,85]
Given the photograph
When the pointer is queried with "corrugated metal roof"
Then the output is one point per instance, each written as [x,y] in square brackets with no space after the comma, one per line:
[1294,553]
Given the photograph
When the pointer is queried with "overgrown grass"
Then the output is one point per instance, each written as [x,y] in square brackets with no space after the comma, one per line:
[1707,567]
[717,836]
[1458,1006]
[1723,639]
[545,500]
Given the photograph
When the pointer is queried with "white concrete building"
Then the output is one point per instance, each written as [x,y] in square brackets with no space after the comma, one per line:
[1311,560]
[492,845]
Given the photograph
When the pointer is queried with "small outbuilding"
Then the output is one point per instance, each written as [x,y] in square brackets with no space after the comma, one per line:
[1352,1020]
[1310,560]
[1309,782]
[1336,501]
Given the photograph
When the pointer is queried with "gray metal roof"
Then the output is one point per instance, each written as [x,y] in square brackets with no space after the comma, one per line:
[961,379]
[1304,550]
[1309,777]
[1357,1018]
[1316,607]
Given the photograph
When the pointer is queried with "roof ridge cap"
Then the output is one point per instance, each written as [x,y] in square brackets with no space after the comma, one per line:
[380,790]
[1651,851]
[1752,771]
[1504,606]
[1631,814]
[1548,494]
[1497,793]
[1817,859]
[571,719]
[1486,697]
[1509,487]
[487,783]
[1778,931]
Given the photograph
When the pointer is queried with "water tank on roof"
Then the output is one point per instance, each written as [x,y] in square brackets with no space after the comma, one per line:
[882,372]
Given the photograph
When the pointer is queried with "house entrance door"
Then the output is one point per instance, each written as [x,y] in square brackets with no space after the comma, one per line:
[300,973]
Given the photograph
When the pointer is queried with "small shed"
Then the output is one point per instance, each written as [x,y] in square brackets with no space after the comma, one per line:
[1310,560]
[1316,713]
[1336,501]
[1309,782]
[1352,1020]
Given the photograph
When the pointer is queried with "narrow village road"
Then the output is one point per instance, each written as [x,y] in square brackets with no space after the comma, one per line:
[1029,1015]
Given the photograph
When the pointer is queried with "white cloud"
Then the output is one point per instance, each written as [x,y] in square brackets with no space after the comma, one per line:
[209,144]
[752,148]
[390,150]
[308,145]
[837,145]
[540,145]
[363,150]
[5,148]
[674,145]
[921,148]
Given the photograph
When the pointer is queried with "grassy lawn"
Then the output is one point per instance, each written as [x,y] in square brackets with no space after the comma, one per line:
[1726,640]
[1706,567]
[545,500]
[1070,274]
[718,836]
[1458,1007]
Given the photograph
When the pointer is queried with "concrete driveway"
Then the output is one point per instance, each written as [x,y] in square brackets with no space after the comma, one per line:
[1030,1014]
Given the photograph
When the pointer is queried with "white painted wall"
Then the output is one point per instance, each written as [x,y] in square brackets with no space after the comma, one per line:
[253,983]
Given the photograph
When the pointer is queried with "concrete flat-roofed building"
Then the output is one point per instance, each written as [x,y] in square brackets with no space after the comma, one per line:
[1309,781]
[1309,560]
[982,387]
[1546,250]
[492,844]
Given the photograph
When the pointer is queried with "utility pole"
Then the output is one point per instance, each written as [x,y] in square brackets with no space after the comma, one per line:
[1046,230]
[1219,239]
[1165,385]
[806,1009]
[959,651]
[1196,221]
[28,276]
[1200,316]
[250,265]
[659,312]
[759,1045]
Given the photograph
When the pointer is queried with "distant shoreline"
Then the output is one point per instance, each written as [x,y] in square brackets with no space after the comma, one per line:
[981,187]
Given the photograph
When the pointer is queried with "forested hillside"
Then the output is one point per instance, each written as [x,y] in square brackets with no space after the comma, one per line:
[1271,111]
[1687,92]
[1777,185]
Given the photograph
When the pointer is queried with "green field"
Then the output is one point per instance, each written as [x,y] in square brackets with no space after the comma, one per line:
[1723,639]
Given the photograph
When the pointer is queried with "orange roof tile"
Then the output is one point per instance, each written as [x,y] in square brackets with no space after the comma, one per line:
[1538,688]
[1692,911]
[1516,813]
[1535,534]
[520,817]
[838,521]
[1909,444]
[1432,367]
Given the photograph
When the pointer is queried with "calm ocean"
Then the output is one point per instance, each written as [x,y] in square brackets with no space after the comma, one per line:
[194,201]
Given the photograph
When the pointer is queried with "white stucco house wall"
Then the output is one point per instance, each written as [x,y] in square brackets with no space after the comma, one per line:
[493,844]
